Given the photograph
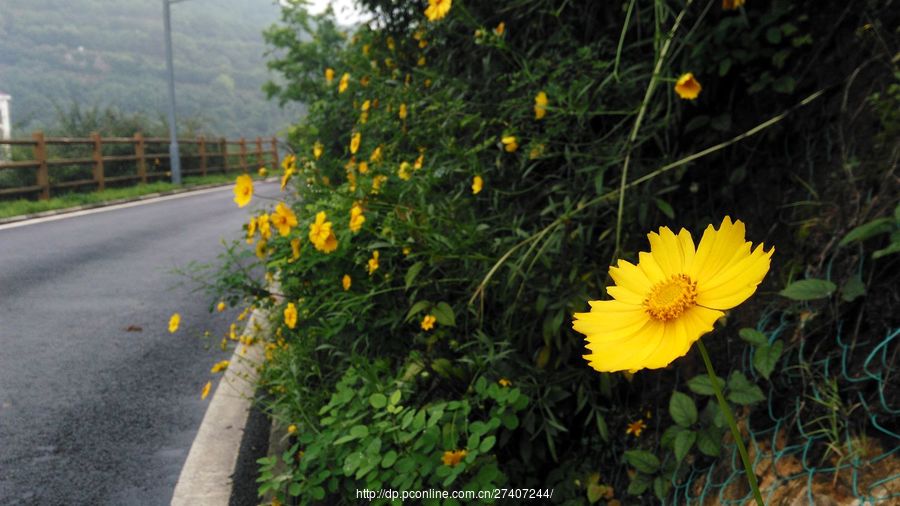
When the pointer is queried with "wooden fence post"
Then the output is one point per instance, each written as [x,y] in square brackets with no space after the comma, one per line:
[223,151]
[259,153]
[243,144]
[98,161]
[275,160]
[141,158]
[40,155]
[201,147]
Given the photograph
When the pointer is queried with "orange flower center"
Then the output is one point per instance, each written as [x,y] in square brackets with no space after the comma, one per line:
[670,298]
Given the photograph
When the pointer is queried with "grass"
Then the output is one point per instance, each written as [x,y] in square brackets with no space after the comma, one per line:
[10,208]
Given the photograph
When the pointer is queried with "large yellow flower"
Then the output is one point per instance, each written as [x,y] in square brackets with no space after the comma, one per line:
[243,190]
[345,81]
[354,142]
[329,75]
[437,9]
[283,218]
[671,297]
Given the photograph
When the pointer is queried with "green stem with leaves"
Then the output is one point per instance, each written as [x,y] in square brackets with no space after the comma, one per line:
[729,417]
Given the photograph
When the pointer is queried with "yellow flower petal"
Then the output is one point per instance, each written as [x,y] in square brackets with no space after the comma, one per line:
[652,270]
[628,276]
[629,352]
[666,250]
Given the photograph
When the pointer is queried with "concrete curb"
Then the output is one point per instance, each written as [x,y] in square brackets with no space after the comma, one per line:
[149,196]
[207,475]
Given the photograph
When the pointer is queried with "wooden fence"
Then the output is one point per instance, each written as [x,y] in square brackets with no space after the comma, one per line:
[148,157]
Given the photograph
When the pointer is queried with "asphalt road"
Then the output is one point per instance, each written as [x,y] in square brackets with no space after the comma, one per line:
[90,412]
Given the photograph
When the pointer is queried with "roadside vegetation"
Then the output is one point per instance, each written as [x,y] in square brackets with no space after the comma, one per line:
[466,177]
[19,207]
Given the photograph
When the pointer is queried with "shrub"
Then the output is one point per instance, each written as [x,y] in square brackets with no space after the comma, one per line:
[500,158]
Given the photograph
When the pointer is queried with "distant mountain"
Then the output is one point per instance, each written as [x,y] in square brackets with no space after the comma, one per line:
[111,53]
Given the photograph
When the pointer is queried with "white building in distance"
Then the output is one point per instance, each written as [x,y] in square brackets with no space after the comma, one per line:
[5,122]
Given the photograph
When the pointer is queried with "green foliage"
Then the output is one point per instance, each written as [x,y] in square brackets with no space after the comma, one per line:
[809,289]
[503,269]
[380,440]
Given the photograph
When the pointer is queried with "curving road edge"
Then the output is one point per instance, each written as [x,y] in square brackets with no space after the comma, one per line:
[207,475]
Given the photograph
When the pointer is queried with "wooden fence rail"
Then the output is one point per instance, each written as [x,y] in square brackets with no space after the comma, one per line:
[154,149]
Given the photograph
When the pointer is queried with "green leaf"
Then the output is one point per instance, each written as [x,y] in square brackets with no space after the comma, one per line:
[808,289]
[417,308]
[667,440]
[766,357]
[867,230]
[594,492]
[377,400]
[661,488]
[389,458]
[359,431]
[444,314]
[412,272]
[784,84]
[682,409]
[395,397]
[753,336]
[643,461]
[709,442]
[442,366]
[602,428]
[741,391]
[343,439]
[639,484]
[665,208]
[892,248]
[701,384]
[724,66]
[317,493]
[487,443]
[773,35]
[684,440]
[478,428]
[294,489]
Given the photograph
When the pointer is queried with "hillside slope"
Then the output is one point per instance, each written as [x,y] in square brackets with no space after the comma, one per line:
[111,53]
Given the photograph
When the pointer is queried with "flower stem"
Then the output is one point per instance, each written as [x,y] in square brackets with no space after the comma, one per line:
[729,417]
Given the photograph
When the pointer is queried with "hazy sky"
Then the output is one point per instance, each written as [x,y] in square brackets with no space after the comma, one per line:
[345,10]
